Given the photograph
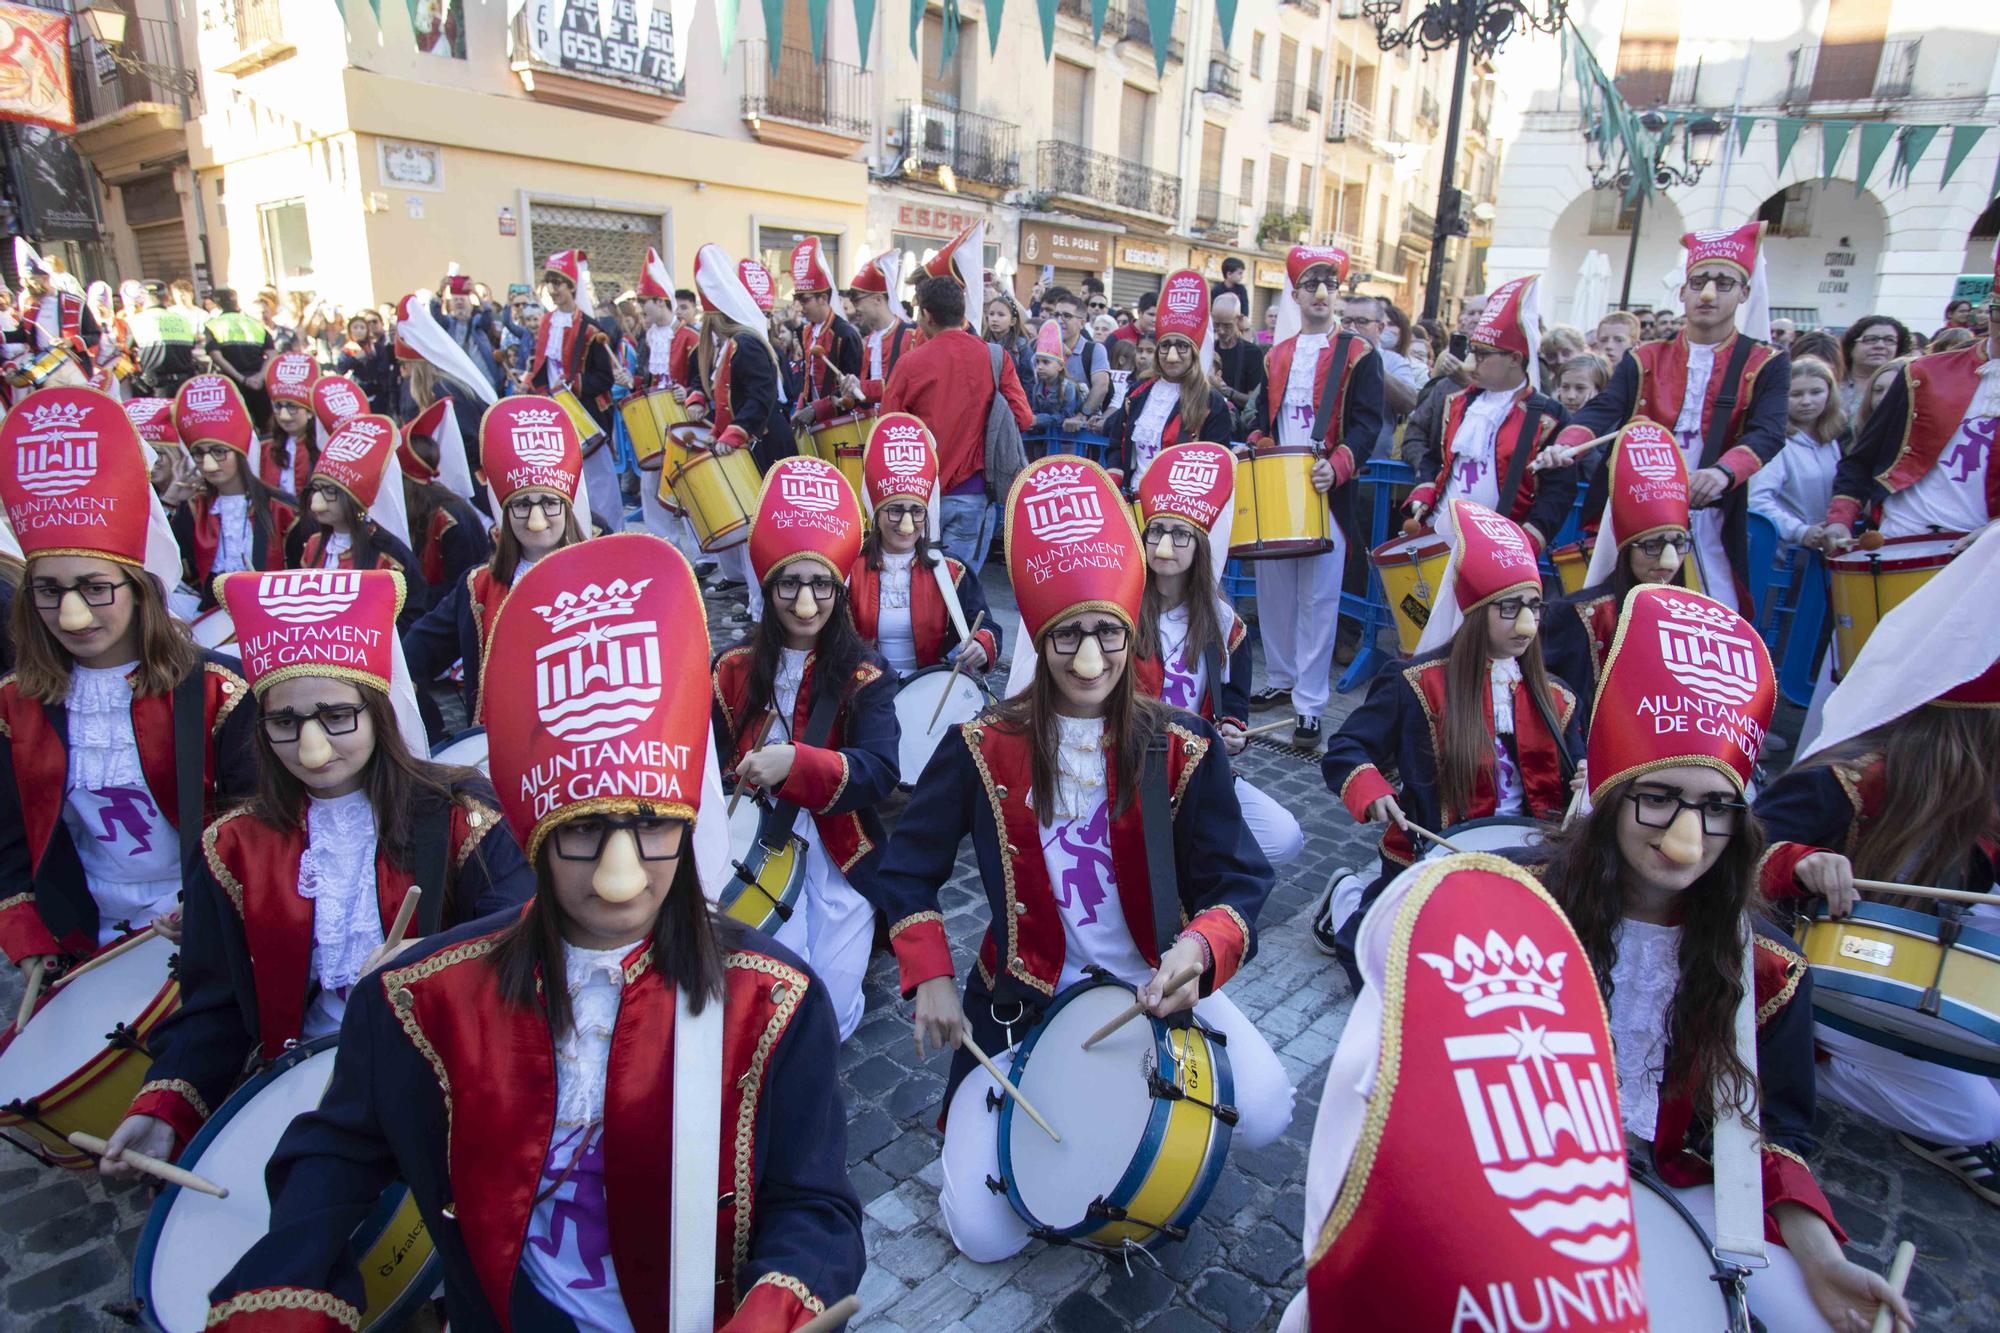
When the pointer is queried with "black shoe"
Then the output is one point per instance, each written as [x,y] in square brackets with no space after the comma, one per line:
[1305,732]
[1978,1165]
[1269,697]
[1323,929]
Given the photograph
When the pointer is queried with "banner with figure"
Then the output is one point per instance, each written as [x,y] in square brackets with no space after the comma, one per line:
[34,67]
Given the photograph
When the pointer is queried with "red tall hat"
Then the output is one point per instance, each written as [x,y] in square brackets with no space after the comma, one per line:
[289,378]
[1183,308]
[1491,558]
[654,280]
[613,647]
[1302,257]
[315,622]
[528,443]
[1737,247]
[209,410]
[756,280]
[1482,1017]
[335,398]
[962,259]
[424,427]
[1512,322]
[805,509]
[901,461]
[879,274]
[414,306]
[1648,487]
[357,455]
[1688,681]
[1071,546]
[569,263]
[74,478]
[1194,481]
[810,271]
[153,418]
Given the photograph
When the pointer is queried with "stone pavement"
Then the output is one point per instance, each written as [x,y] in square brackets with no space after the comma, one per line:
[66,1241]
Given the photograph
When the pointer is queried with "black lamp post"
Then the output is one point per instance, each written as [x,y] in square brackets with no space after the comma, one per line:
[106,26]
[1479,26]
[1698,143]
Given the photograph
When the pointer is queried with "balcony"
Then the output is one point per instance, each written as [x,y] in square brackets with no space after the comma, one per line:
[1078,10]
[1310,8]
[976,148]
[1340,240]
[1315,100]
[260,36]
[1105,181]
[1217,216]
[1389,259]
[1225,78]
[579,68]
[1853,72]
[1138,27]
[126,118]
[817,106]
[1285,105]
[1349,122]
[1418,225]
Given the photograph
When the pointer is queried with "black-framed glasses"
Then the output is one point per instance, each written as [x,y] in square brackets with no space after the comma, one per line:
[523,507]
[1652,546]
[1181,537]
[1655,807]
[1358,322]
[1319,284]
[897,513]
[1877,339]
[1723,285]
[659,837]
[326,491]
[48,594]
[199,452]
[790,586]
[1110,636]
[1510,608]
[282,728]
[1069,314]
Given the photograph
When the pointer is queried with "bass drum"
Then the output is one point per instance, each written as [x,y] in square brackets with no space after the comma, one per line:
[192,1240]
[213,629]
[767,883]
[964,699]
[1496,833]
[468,747]
[1685,1292]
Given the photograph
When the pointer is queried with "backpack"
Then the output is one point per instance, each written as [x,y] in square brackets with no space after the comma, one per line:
[1005,456]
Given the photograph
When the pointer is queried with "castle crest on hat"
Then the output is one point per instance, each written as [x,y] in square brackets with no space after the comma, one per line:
[73,477]
[1649,482]
[1071,546]
[527,442]
[356,454]
[1491,556]
[1734,246]
[1302,257]
[1182,311]
[1504,325]
[209,410]
[900,462]
[290,378]
[609,711]
[809,269]
[153,418]
[335,398]
[757,281]
[315,622]
[806,509]
[1195,481]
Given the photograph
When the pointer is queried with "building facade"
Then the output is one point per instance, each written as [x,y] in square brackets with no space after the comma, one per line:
[1837,249]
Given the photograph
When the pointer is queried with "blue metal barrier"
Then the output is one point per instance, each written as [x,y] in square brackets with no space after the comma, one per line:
[1571,530]
[1084,444]
[1371,611]
[1789,585]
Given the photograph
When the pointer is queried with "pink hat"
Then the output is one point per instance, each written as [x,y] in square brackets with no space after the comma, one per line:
[1049,341]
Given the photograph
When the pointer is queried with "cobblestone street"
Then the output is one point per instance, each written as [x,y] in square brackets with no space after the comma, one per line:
[66,1241]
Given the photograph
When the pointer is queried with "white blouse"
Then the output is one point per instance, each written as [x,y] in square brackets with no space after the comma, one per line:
[338,544]
[236,546]
[130,850]
[1503,674]
[1076,849]
[337,875]
[895,635]
[1643,982]
[1163,400]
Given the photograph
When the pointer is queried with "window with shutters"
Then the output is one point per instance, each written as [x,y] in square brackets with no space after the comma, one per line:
[1256,55]
[1246,187]
[1274,185]
[615,241]
[1072,108]
[1647,47]
[941,85]
[1135,125]
[1305,189]
[1211,158]
[288,256]
[1850,50]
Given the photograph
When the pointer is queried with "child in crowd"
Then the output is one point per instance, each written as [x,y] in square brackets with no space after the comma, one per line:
[1793,489]
[1052,395]
[1583,378]
[1124,357]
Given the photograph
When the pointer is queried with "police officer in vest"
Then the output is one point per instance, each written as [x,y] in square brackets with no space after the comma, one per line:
[163,344]
[238,345]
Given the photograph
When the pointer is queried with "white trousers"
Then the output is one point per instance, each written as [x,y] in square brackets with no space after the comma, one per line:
[600,474]
[985,1226]
[1717,580]
[1298,609]
[834,931]
[663,522]
[1904,1093]
[1275,828]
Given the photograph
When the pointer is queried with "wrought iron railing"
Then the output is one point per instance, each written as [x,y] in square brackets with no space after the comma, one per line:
[1225,78]
[1310,8]
[1315,100]
[976,148]
[1853,71]
[1076,9]
[1349,120]
[1419,223]
[1341,240]
[1217,215]
[1285,104]
[1067,168]
[1389,258]
[829,94]
[102,87]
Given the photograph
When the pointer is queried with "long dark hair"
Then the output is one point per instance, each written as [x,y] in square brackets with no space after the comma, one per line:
[362,553]
[42,665]
[1945,766]
[836,653]
[688,944]
[1465,741]
[1194,391]
[506,560]
[1204,625]
[397,782]
[1623,580]
[258,499]
[1131,720]
[1586,874]
[307,441]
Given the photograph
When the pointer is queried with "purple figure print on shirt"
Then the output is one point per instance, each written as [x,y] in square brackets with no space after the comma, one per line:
[1177,679]
[1975,440]
[1468,471]
[130,809]
[579,1205]
[1088,845]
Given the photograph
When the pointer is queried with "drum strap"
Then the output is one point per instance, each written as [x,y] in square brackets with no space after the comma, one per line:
[1156,817]
[1329,392]
[696,1147]
[949,590]
[1517,466]
[1211,665]
[781,815]
[1565,761]
[1739,1170]
[190,753]
[433,843]
[1716,432]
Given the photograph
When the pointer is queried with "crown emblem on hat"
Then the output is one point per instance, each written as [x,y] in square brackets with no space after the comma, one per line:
[611,601]
[353,441]
[816,490]
[904,456]
[1653,460]
[1704,647]
[309,596]
[291,371]
[1058,474]
[1183,298]
[1498,530]
[1498,975]
[56,416]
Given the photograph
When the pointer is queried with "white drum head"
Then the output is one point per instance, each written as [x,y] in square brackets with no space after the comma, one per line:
[743,827]
[1498,834]
[917,700]
[1096,1099]
[203,1237]
[467,748]
[69,1030]
[213,628]
[1675,1267]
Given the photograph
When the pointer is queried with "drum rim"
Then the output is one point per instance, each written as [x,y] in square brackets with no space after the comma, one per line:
[1922,925]
[1876,562]
[1280,548]
[1845,1023]
[1640,1178]
[77,1081]
[1406,556]
[754,861]
[371,1228]
[462,734]
[908,781]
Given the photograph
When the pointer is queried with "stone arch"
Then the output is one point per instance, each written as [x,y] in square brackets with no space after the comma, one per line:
[1824,247]
[1587,223]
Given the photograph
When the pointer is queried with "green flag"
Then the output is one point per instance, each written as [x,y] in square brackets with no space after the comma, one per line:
[948,45]
[1225,18]
[1046,11]
[1911,145]
[815,24]
[1098,9]
[993,10]
[864,27]
[1788,135]
[1745,126]
[1160,19]
[774,29]
[725,26]
[1832,143]
[1963,139]
[1875,137]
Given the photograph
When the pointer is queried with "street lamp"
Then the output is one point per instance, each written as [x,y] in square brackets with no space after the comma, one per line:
[106,27]
[1480,26]
[1699,138]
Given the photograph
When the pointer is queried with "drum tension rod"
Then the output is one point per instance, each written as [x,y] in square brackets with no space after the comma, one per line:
[1114,1213]
[127,1037]
[1166,1090]
[998,1186]
[1932,1002]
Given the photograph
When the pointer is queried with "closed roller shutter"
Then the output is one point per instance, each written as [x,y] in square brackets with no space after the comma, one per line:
[1129,284]
[163,253]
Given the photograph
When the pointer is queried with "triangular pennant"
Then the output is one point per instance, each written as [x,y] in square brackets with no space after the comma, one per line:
[1160,18]
[1963,139]
[948,48]
[1046,11]
[1745,125]
[1911,146]
[1098,9]
[1225,18]
[916,26]
[864,27]
[815,23]
[1832,143]
[725,26]
[774,30]
[1875,137]
[1788,135]
[994,8]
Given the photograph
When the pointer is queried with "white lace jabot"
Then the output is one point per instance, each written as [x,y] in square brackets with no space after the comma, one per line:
[895,578]
[1503,673]
[338,544]
[1079,766]
[1643,982]
[337,873]
[103,752]
[596,980]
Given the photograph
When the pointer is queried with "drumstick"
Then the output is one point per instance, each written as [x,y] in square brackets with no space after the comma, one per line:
[1133,1010]
[1429,836]
[1268,726]
[402,921]
[833,1316]
[1899,1273]
[152,1166]
[965,1035]
[1569,813]
[770,720]
[957,664]
[1926,891]
[1571,452]
[123,947]
[36,966]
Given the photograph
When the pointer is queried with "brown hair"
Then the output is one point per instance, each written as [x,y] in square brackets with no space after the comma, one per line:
[1864,406]
[1590,365]
[1465,742]
[506,560]
[1204,625]
[714,325]
[1832,422]
[1586,876]
[1194,395]
[1130,722]
[41,664]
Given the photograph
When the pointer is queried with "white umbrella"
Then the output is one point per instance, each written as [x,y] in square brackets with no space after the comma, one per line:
[1592,298]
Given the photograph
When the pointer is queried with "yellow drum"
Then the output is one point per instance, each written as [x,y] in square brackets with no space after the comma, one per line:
[587,430]
[649,419]
[81,1058]
[769,881]
[1411,569]
[1908,981]
[842,441]
[802,440]
[719,494]
[1865,585]
[683,441]
[1278,513]
[1572,563]
[55,368]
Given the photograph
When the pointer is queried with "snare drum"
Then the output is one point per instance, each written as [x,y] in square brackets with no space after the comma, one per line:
[1495,833]
[468,747]
[964,699]
[588,432]
[1145,1115]
[1278,513]
[52,369]
[1572,564]
[80,1060]
[192,1240]
[1887,975]
[1411,569]
[769,881]
[213,628]
[1686,1291]
[842,441]
[1864,586]
[719,493]
[649,418]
